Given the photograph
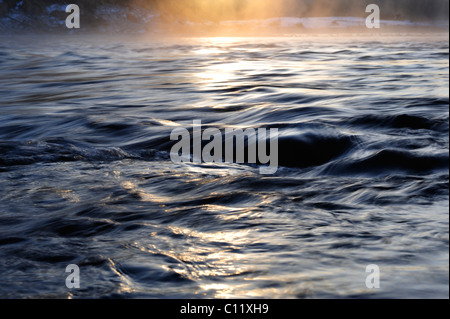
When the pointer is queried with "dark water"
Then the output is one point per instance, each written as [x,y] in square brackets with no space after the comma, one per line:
[86,176]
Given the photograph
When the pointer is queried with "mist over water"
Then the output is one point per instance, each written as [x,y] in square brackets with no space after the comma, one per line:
[258,9]
[222,17]
[87,179]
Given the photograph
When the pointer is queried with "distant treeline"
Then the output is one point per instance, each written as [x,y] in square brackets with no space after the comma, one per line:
[414,10]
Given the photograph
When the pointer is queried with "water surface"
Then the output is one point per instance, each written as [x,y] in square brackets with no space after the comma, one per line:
[86,176]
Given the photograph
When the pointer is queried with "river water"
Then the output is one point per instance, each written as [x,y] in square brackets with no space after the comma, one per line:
[86,177]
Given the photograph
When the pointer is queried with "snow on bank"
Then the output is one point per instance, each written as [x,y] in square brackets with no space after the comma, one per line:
[326,23]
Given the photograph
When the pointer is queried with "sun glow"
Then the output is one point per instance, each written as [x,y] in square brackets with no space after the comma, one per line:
[219,10]
[212,17]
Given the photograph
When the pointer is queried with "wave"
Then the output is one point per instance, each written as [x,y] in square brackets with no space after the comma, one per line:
[388,161]
[333,154]
[403,121]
